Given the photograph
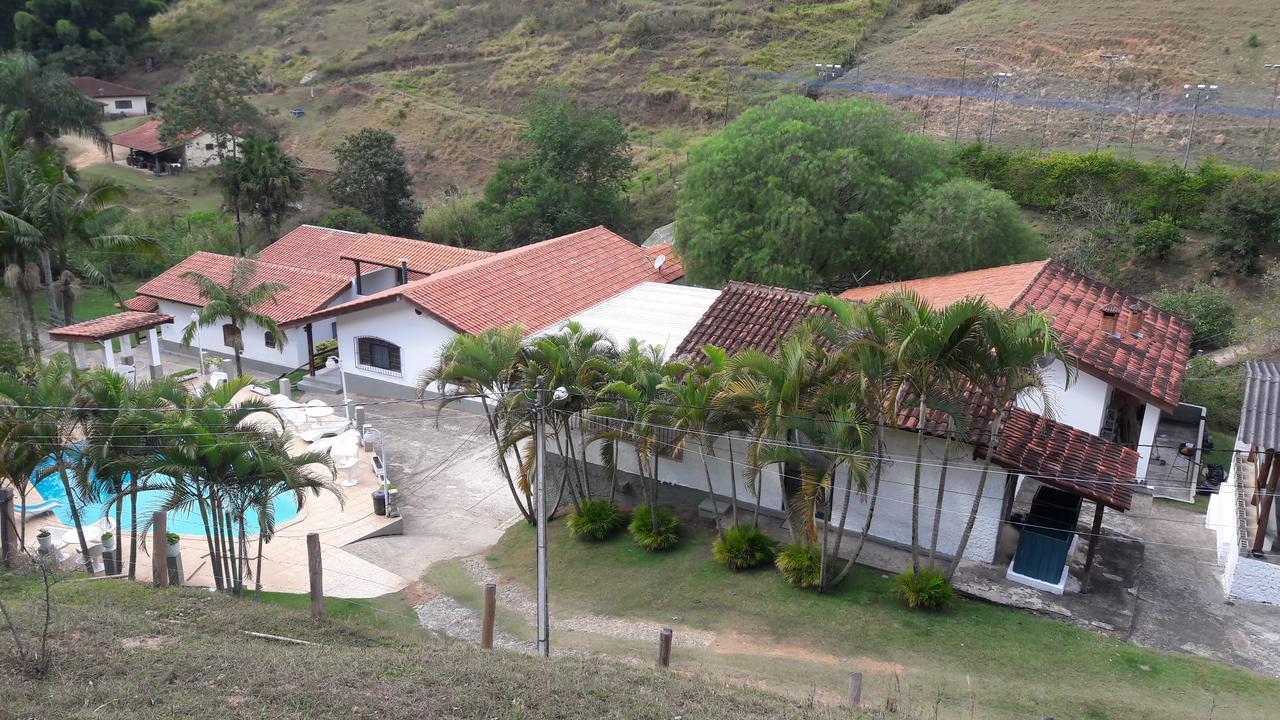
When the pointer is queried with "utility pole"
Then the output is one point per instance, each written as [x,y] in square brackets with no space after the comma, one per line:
[965,52]
[1202,91]
[996,79]
[1110,59]
[1275,90]
[539,497]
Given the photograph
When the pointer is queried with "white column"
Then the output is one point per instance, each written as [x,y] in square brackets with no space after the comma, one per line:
[1147,436]
[154,341]
[108,355]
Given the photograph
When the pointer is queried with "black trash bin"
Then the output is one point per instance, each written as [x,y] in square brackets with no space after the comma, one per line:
[379,502]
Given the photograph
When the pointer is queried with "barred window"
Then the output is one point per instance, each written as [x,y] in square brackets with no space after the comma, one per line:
[378,353]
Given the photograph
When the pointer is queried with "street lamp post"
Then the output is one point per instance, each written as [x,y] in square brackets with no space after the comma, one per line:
[996,79]
[195,320]
[1275,90]
[1110,59]
[965,52]
[1202,91]
[335,362]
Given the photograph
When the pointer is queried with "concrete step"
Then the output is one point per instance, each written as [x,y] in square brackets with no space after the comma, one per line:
[321,383]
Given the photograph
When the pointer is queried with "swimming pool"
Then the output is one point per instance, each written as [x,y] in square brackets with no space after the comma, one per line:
[182,523]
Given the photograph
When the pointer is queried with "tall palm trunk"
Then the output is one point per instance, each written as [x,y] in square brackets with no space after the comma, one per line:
[711,492]
[733,479]
[525,510]
[236,575]
[213,548]
[871,507]
[119,525]
[942,489]
[977,496]
[133,528]
[915,488]
[844,515]
[33,325]
[239,366]
[75,514]
[257,572]
[46,272]
[20,324]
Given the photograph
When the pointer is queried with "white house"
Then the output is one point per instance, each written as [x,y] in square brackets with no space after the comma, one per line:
[1245,514]
[1127,368]
[142,147]
[116,100]
[389,336]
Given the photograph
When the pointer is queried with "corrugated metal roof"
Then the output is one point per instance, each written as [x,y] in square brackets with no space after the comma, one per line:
[654,313]
[1260,414]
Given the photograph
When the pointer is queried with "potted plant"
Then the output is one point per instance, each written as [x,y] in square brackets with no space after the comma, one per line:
[108,542]
[212,363]
[173,549]
[45,539]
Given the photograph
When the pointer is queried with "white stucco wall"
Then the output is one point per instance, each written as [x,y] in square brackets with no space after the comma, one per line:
[419,336]
[892,520]
[374,279]
[138,102]
[1082,405]
[199,154]
[1243,577]
[294,353]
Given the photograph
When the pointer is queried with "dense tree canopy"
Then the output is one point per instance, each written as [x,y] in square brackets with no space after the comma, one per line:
[805,194]
[573,175]
[964,224]
[51,106]
[85,38]
[214,98]
[372,177]
[261,181]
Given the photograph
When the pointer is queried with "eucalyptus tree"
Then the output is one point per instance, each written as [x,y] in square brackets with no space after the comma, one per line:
[1020,345]
[934,352]
[485,368]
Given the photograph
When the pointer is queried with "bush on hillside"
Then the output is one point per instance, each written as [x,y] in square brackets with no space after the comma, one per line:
[1219,391]
[349,219]
[654,536]
[1207,309]
[743,547]
[800,565]
[596,520]
[1246,218]
[457,220]
[925,589]
[964,224]
[1157,238]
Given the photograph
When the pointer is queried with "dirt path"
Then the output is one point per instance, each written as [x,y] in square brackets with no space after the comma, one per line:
[83,152]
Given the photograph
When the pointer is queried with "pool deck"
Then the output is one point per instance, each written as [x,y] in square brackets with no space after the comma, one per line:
[339,521]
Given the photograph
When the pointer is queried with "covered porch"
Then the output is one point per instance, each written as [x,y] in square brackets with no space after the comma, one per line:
[80,337]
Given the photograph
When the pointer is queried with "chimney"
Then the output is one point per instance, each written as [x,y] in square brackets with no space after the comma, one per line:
[1109,315]
[404,271]
[1135,320]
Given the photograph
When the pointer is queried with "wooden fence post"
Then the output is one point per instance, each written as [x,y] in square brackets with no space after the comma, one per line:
[664,648]
[8,528]
[317,575]
[159,550]
[855,689]
[490,607]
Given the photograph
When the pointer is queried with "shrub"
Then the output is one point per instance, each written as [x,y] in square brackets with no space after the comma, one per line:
[1157,238]
[456,220]
[1246,218]
[349,219]
[1207,309]
[596,520]
[1219,390]
[925,590]
[743,547]
[1253,41]
[654,538]
[800,565]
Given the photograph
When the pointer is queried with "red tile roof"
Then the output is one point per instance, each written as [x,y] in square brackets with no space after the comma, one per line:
[756,316]
[110,326]
[308,289]
[141,304]
[424,257]
[746,315]
[146,138]
[1149,365]
[534,286]
[313,248]
[95,88]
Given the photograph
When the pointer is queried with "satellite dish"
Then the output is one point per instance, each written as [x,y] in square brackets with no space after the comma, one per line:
[658,261]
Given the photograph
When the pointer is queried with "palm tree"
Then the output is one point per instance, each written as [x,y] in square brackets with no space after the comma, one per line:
[484,367]
[261,180]
[279,474]
[51,105]
[20,465]
[237,303]
[933,351]
[1019,343]
[39,420]
[693,391]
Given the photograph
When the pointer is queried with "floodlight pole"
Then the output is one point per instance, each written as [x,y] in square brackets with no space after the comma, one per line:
[1275,90]
[1195,110]
[965,52]
[539,497]
[996,79]
[1110,58]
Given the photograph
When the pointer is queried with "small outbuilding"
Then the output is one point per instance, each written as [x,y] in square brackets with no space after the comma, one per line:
[117,101]
[143,148]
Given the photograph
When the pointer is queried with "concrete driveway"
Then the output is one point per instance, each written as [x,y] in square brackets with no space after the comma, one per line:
[455,502]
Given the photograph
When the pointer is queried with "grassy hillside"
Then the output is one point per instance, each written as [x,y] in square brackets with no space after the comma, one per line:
[125,651]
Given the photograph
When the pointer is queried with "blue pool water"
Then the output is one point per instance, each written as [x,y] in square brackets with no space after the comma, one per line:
[182,523]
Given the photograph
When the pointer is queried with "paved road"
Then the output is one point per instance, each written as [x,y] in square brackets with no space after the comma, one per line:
[455,501]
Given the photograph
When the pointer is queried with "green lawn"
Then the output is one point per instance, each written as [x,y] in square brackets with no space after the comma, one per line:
[1009,663]
[186,192]
[113,127]
[387,612]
